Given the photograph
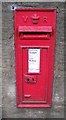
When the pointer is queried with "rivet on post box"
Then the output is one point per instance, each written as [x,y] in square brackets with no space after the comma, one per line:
[35,33]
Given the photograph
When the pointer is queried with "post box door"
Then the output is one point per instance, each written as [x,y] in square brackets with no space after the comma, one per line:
[35,74]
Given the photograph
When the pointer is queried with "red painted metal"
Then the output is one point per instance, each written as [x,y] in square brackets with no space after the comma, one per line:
[35,30]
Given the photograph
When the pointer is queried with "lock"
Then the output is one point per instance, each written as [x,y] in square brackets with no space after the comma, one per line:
[35,33]
[30,79]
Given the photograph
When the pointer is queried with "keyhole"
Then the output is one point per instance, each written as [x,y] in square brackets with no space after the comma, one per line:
[32,79]
[27,79]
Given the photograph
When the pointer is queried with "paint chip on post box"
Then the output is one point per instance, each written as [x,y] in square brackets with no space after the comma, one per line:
[34,60]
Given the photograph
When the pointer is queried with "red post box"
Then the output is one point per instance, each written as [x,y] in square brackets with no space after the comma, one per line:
[35,31]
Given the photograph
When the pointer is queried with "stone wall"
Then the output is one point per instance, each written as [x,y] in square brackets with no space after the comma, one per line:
[0,61]
[8,58]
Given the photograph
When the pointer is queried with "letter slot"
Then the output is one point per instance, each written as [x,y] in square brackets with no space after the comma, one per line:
[32,32]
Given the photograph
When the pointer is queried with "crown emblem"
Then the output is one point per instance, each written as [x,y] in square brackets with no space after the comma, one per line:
[35,18]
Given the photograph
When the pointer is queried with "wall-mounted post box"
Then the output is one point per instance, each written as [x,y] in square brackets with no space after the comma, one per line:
[35,31]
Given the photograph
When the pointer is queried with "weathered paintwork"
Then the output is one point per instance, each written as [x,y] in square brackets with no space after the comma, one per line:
[35,30]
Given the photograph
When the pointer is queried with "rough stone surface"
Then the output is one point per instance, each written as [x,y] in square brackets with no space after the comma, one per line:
[33,1]
[9,88]
[0,61]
